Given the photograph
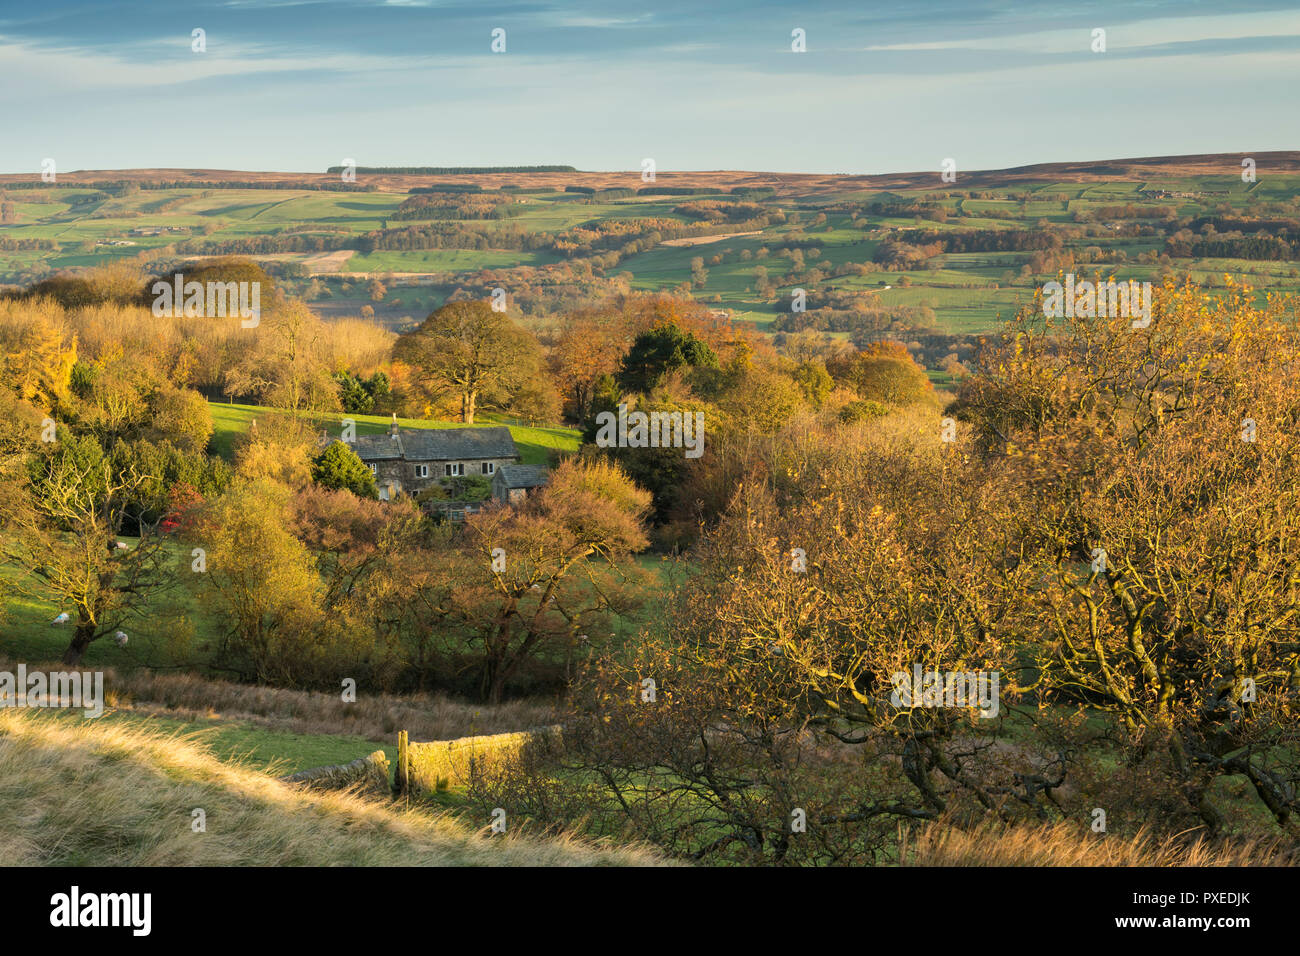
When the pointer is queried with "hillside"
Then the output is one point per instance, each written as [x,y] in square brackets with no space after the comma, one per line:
[1201,164]
[889,254]
[849,521]
[81,793]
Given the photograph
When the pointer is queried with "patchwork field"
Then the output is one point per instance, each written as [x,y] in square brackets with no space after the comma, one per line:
[554,238]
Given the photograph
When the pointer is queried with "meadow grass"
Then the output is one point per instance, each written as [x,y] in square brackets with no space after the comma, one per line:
[374,716]
[172,628]
[270,751]
[122,793]
[1061,845]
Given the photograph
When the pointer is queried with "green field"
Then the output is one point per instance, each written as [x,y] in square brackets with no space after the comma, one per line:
[174,630]
[535,444]
[256,747]
[834,228]
[444,260]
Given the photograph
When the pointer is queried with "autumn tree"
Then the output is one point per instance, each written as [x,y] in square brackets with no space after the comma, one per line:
[589,346]
[376,563]
[814,381]
[279,446]
[61,527]
[223,269]
[884,372]
[763,399]
[473,352]
[36,355]
[114,396]
[181,416]
[1156,465]
[768,687]
[563,569]
[286,364]
[262,584]
[344,531]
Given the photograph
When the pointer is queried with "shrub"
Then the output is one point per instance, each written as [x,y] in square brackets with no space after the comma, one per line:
[338,467]
[862,411]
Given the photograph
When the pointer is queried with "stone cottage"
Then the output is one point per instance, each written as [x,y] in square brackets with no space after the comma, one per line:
[513,483]
[407,462]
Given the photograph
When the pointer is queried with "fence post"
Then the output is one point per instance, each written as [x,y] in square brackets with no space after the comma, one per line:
[401,777]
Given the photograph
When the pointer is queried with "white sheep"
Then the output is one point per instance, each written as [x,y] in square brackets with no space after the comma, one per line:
[63,618]
[120,638]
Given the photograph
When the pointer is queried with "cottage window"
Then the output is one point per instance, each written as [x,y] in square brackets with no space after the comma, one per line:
[489,467]
[374,469]
[421,471]
[455,471]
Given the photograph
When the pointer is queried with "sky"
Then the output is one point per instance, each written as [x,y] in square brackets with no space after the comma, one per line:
[882,86]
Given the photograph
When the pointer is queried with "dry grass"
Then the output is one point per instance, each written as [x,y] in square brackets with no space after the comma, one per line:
[86,793]
[328,262]
[1059,845]
[705,240]
[373,716]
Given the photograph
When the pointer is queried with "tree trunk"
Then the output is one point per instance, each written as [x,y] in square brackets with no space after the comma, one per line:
[81,638]
[494,679]
[468,404]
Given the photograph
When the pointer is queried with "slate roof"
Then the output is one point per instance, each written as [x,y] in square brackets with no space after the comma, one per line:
[438,444]
[376,447]
[523,476]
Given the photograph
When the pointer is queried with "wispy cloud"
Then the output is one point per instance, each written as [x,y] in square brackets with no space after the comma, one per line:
[601,85]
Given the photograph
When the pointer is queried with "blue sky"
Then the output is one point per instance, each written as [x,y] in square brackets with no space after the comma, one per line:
[303,84]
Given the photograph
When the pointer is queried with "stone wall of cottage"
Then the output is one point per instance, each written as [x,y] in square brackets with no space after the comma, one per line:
[390,472]
[402,474]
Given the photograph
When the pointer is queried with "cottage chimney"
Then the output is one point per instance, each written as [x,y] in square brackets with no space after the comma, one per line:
[392,428]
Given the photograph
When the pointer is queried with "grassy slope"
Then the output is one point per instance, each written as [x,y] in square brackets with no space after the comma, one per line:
[268,751]
[171,633]
[96,793]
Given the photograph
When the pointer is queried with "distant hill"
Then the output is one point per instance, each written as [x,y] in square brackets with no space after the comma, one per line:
[404,178]
[454,170]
